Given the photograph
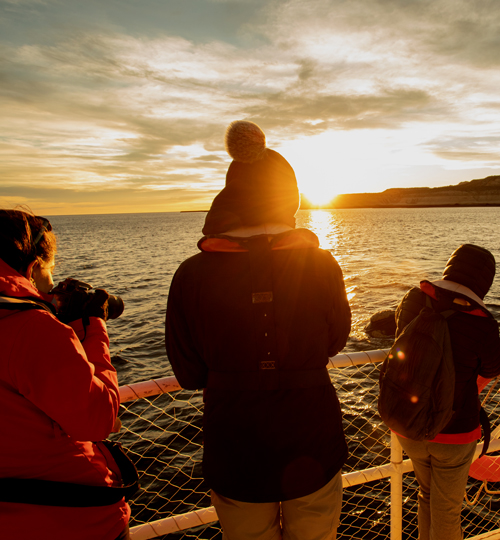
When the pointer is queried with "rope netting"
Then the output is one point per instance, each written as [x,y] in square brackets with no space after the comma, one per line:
[161,431]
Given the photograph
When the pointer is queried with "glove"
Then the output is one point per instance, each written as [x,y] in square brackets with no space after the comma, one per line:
[80,304]
[98,305]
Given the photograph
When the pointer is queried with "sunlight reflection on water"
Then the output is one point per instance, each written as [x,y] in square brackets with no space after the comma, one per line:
[382,253]
[324,225]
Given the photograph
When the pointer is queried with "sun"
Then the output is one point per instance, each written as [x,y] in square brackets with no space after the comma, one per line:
[318,173]
[318,193]
[335,162]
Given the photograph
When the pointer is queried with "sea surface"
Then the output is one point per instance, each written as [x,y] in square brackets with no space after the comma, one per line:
[382,253]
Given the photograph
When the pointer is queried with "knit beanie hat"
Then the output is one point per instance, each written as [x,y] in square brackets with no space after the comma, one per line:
[472,266]
[260,184]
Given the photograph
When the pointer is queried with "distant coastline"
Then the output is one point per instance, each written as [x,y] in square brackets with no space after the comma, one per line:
[484,192]
[475,193]
[331,206]
[308,206]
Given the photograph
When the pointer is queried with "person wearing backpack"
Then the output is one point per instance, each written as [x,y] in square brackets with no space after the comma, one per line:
[442,464]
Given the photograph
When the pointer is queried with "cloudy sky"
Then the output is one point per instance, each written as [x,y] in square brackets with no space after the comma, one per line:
[121,105]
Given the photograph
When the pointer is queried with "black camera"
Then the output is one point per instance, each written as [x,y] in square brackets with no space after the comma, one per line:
[74,295]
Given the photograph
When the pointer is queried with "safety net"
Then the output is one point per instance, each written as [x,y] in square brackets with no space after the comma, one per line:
[162,432]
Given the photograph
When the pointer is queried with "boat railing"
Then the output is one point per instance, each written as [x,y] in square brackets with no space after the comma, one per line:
[162,432]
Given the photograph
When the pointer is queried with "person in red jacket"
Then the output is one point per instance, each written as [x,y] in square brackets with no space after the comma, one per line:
[252,320]
[57,394]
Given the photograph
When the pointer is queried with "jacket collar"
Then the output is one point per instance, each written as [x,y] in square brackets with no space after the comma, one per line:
[257,230]
[12,283]
[458,288]
[15,285]
[280,237]
[464,299]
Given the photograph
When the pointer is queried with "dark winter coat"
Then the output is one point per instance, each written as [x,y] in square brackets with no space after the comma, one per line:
[474,339]
[253,321]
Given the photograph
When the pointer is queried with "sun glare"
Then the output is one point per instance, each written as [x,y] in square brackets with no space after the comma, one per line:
[318,192]
[316,167]
[356,161]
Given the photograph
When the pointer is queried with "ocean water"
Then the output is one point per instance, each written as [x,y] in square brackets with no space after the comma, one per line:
[382,253]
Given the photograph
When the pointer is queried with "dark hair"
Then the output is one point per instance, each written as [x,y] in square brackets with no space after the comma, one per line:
[18,239]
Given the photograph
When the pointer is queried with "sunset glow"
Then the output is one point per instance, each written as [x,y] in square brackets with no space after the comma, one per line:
[124,110]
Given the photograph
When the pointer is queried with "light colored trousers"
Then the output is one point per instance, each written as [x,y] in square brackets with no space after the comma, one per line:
[314,517]
[442,471]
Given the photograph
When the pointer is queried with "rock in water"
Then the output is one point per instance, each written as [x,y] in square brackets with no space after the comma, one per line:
[382,324]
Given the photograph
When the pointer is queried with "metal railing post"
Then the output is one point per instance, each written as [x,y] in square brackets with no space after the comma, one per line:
[396,489]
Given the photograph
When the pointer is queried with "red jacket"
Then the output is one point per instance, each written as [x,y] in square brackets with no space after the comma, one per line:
[56,395]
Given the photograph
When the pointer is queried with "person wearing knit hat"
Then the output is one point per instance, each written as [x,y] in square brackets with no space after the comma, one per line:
[252,320]
[442,464]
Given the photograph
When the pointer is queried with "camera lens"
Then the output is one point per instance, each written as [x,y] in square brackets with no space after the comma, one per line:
[115,306]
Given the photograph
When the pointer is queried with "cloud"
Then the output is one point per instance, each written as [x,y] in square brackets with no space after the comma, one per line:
[56,200]
[481,149]
[114,101]
[387,108]
[454,31]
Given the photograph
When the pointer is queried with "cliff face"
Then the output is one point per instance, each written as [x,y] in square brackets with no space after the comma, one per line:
[483,192]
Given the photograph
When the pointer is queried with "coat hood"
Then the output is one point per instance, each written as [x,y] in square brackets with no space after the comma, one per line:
[473,267]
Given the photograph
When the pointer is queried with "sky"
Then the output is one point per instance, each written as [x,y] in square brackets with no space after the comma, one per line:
[110,106]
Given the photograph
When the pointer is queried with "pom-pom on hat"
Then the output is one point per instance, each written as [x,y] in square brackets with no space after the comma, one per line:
[245,141]
[472,266]
[260,184]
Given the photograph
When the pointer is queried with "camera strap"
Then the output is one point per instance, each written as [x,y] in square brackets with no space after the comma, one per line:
[65,494]
[23,304]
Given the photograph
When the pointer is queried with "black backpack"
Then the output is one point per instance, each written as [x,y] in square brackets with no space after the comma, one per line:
[417,379]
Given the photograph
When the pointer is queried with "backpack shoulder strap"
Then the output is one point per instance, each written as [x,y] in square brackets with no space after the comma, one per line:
[445,313]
